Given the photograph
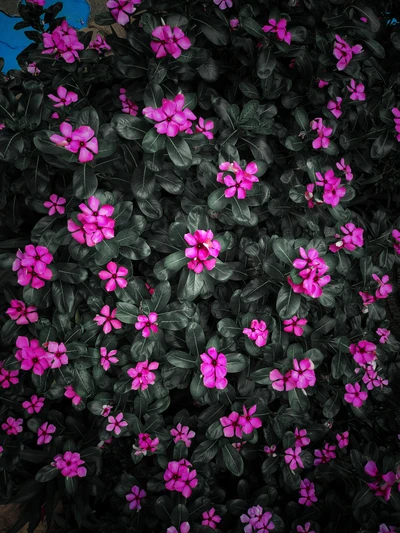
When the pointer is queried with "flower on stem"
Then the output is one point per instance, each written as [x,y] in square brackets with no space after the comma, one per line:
[12,426]
[293,459]
[295,325]
[115,275]
[64,97]
[203,250]
[183,433]
[55,205]
[335,107]
[107,358]
[356,91]
[354,395]
[210,519]
[45,433]
[115,423]
[135,497]
[34,405]
[107,319]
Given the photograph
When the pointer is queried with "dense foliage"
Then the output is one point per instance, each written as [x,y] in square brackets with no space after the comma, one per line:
[199,269]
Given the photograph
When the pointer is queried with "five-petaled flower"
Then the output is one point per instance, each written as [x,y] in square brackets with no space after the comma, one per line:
[354,395]
[142,374]
[169,41]
[106,358]
[64,97]
[107,319]
[12,426]
[115,276]
[21,313]
[122,9]
[81,141]
[171,118]
[115,423]
[203,250]
[213,369]
[135,497]
[55,204]
[45,433]
[70,464]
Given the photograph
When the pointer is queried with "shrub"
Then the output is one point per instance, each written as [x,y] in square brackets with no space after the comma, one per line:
[196,269]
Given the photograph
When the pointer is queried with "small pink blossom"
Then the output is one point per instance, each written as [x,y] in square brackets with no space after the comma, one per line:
[107,358]
[8,377]
[305,529]
[33,69]
[32,266]
[64,97]
[128,106]
[70,464]
[356,91]
[115,275]
[45,433]
[171,118]
[203,250]
[344,52]
[150,289]
[184,528]
[351,239]
[363,352]
[396,244]
[223,4]
[257,332]
[279,28]
[396,113]
[122,9]
[210,519]
[55,204]
[169,41]
[145,444]
[333,192]
[39,3]
[323,134]
[301,438]
[322,83]
[280,382]
[107,319]
[99,44]
[106,410]
[335,107]
[205,127]
[22,314]
[293,459]
[183,433]
[213,369]
[115,423]
[62,42]
[72,395]
[295,325]
[135,497]
[341,165]
[142,375]
[384,288]
[147,324]
[270,450]
[248,422]
[32,356]
[364,19]
[325,455]
[232,425]
[234,23]
[34,405]
[343,439]
[383,334]
[383,528]
[12,426]
[307,493]
[57,353]
[354,395]
[367,299]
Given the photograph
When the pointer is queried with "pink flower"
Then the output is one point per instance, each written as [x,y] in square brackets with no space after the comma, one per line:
[107,319]
[213,369]
[57,353]
[396,113]
[142,375]
[106,410]
[305,529]
[22,314]
[203,250]
[99,44]
[205,127]
[383,528]
[307,493]
[63,97]
[32,266]
[70,393]
[352,238]
[356,90]
[223,4]
[367,299]
[184,528]
[171,118]
[323,134]
[234,23]
[150,289]
[279,28]
[55,204]
[363,352]
[270,450]
[44,433]
[81,140]
[309,195]
[128,106]
[333,192]
[257,332]
[63,42]
[33,69]
[182,433]
[293,459]
[295,325]
[384,288]
[383,334]
[364,19]
[148,324]
[210,519]
[122,9]
[303,373]
[343,439]
[107,358]
[135,497]
[344,52]
[280,382]
[39,3]
[334,107]
[325,455]
[8,377]
[70,464]
[35,404]
[322,83]
[232,425]
[240,182]
[248,422]
[115,423]
[179,477]
[115,275]
[145,444]
[301,438]
[396,237]
[169,41]
[32,356]
[354,395]
[96,221]
[12,426]
[341,165]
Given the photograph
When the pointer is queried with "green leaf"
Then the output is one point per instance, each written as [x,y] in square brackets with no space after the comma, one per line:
[364,497]
[164,269]
[205,452]
[332,406]
[136,251]
[287,302]
[294,143]
[284,251]
[269,466]
[220,272]
[215,30]
[127,312]
[228,328]
[179,152]
[240,211]
[181,359]
[63,296]
[236,362]
[232,459]
[84,181]
[172,320]
[217,200]
[161,296]
[266,63]
[153,141]
[47,473]
[128,127]
[298,400]
[71,273]
[106,251]
[382,145]
[195,338]
[153,95]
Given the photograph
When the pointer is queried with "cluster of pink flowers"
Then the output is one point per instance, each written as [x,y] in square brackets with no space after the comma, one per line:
[8,377]
[145,444]
[313,271]
[115,423]
[210,519]
[106,358]
[12,426]
[203,250]
[32,266]
[295,325]
[147,324]
[45,433]
[236,424]
[72,395]
[34,405]
[356,91]
[307,493]
[169,41]
[351,239]
[181,477]
[135,497]
[96,223]
[344,52]
[343,439]
[213,369]
[183,433]
[62,42]
[301,376]
[107,319]
[64,97]
[279,28]
[323,134]
[21,313]
[293,458]
[364,354]
[55,204]
[257,520]
[122,9]
[99,44]
[128,106]
[257,332]
[325,455]
[383,483]
[396,237]
[223,4]
[142,375]
[81,141]
[241,180]
[32,355]
[70,464]
[171,118]
[333,188]
[396,113]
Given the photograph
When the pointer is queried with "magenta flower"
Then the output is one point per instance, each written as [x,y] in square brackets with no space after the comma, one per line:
[354,395]
[36,2]
[232,425]
[135,497]
[323,134]
[248,422]
[205,127]
[57,353]
[356,91]
[309,196]
[148,324]
[142,375]
[8,377]
[81,140]
[367,299]
[55,204]
[363,352]
[34,405]
[301,438]
[12,426]
[384,288]
[210,519]
[106,410]
[122,9]
[128,106]
[305,529]
[270,450]
[107,358]
[184,528]
[396,113]
[325,455]
[303,373]
[240,182]
[279,28]
[183,433]
[99,44]
[150,289]
[203,250]
[63,42]
[115,275]
[107,319]
[334,107]
[343,439]
[257,332]
[171,118]
[32,356]
[396,237]
[352,238]
[383,334]
[223,4]
[333,192]
[344,52]
[70,464]
[22,314]
[341,165]
[383,528]
[115,423]
[328,177]
[72,395]
[307,493]
[179,477]
[280,382]
[33,69]
[63,97]
[295,325]
[145,444]
[322,83]
[32,266]
[96,221]
[293,459]
[213,369]
[169,41]
[45,433]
